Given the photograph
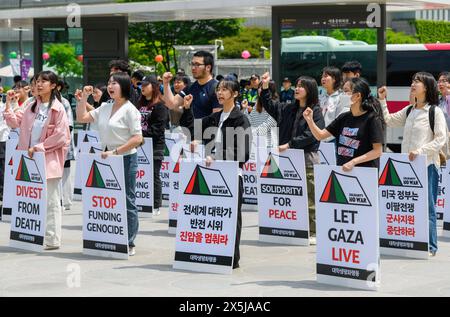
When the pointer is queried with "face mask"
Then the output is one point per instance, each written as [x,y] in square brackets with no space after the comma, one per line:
[346,100]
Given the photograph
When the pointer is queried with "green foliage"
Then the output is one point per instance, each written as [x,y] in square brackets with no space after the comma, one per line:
[250,39]
[432,31]
[399,38]
[158,38]
[64,60]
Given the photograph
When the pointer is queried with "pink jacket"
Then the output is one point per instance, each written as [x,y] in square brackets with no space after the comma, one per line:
[55,137]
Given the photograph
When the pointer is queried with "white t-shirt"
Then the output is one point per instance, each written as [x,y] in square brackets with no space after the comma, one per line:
[115,131]
[223,116]
[39,123]
[4,129]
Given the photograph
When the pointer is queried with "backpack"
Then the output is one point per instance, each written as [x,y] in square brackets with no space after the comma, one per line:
[444,151]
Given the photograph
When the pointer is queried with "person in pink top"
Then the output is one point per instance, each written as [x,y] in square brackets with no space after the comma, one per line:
[44,127]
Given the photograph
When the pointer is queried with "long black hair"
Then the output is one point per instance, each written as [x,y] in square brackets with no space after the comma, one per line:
[368,102]
[312,90]
[53,79]
[432,92]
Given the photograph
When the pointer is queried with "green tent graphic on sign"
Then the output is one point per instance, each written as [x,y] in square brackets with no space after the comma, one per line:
[28,171]
[344,189]
[399,173]
[168,146]
[102,176]
[279,167]
[207,182]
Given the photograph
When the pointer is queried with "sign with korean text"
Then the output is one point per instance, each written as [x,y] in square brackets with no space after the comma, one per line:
[29,211]
[206,224]
[9,197]
[174,197]
[105,231]
[446,216]
[170,155]
[440,202]
[347,225]
[403,195]
[144,178]
[282,198]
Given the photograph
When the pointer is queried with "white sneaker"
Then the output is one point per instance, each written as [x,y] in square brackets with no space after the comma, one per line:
[131,251]
[51,247]
[156,212]
[312,240]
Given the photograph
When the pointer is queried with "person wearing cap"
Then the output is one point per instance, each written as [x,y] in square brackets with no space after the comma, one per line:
[287,93]
[154,118]
[252,94]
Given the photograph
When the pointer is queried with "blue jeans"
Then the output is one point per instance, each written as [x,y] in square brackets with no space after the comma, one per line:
[130,169]
[433,179]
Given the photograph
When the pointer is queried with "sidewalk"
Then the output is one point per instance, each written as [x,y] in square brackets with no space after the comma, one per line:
[266,269]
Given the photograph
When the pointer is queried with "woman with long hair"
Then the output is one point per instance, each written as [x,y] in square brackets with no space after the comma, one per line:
[44,127]
[420,136]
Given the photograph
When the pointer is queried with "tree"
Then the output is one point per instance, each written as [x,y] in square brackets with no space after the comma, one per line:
[249,38]
[64,60]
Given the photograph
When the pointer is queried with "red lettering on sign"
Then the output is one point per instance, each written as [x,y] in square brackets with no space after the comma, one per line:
[104,202]
[343,255]
[27,191]
[249,167]
[283,214]
[140,174]
[164,166]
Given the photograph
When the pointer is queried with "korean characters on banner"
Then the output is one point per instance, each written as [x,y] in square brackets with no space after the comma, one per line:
[440,203]
[92,147]
[327,153]
[206,224]
[29,211]
[185,153]
[347,227]
[282,198]
[171,140]
[9,197]
[446,216]
[144,178]
[105,231]
[250,174]
[403,194]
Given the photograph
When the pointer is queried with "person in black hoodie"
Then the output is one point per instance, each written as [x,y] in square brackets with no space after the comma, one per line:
[154,118]
[232,138]
[293,128]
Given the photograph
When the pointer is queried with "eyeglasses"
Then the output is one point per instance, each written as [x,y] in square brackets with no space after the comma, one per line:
[196,65]
[443,81]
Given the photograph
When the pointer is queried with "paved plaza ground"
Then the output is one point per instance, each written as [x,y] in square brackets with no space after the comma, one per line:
[266,269]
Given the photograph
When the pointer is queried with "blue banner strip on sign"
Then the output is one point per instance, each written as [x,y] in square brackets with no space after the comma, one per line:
[204,258]
[27,238]
[346,272]
[290,233]
[105,246]
[447,226]
[406,245]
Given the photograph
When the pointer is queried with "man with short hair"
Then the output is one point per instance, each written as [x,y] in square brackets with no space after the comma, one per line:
[287,93]
[351,69]
[203,90]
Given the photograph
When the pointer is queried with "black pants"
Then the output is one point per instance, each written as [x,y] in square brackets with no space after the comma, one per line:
[157,188]
[2,167]
[237,254]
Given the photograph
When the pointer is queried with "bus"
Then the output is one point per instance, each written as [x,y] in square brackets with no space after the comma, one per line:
[308,55]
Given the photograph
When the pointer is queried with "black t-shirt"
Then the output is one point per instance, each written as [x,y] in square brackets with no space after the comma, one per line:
[204,98]
[355,136]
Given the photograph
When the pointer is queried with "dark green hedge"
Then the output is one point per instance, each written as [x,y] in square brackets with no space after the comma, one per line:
[432,31]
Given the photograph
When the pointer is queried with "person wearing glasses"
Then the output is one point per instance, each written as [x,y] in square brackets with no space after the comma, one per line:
[203,90]
[444,98]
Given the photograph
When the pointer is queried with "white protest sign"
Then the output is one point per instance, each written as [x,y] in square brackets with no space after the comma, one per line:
[9,197]
[14,133]
[446,216]
[174,201]
[347,219]
[250,174]
[206,225]
[440,202]
[29,212]
[327,153]
[171,139]
[86,137]
[84,147]
[105,231]
[403,196]
[144,178]
[282,198]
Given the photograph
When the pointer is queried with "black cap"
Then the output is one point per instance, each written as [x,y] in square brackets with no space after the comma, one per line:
[149,80]
[286,79]
[254,76]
